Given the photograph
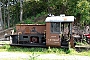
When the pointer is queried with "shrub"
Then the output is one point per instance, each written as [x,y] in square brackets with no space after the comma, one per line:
[28,21]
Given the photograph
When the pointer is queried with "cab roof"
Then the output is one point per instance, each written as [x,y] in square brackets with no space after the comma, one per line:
[60,19]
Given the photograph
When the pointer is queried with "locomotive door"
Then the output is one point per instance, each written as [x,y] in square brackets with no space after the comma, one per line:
[65,33]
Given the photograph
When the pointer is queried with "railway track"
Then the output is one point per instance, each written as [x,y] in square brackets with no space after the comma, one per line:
[82,48]
[4,41]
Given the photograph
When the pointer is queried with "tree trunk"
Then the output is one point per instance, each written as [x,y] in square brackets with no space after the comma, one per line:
[1,21]
[4,23]
[21,11]
[8,15]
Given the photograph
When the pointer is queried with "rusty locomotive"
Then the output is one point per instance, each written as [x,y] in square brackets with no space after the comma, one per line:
[57,32]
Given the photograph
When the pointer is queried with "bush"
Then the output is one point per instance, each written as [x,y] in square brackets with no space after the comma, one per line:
[28,21]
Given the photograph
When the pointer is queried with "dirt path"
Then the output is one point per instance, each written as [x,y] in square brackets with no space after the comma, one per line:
[23,56]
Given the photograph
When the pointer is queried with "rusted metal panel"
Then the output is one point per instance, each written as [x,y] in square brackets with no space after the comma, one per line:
[30,28]
[72,42]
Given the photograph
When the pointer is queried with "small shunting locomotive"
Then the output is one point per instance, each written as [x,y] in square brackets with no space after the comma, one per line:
[56,32]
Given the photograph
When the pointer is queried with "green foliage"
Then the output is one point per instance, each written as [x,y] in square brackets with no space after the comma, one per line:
[58,50]
[6,46]
[73,51]
[28,21]
[33,56]
[40,22]
[34,20]
[33,9]
[14,29]
[36,51]
[32,17]
[78,8]
[43,13]
[83,7]
[38,15]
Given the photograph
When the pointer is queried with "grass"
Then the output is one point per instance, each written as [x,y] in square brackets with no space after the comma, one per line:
[7,48]
[34,52]
[61,51]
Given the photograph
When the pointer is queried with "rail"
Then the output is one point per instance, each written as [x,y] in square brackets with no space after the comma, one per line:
[4,41]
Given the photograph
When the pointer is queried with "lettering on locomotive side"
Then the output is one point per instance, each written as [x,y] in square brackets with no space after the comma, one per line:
[53,39]
[53,36]
[56,42]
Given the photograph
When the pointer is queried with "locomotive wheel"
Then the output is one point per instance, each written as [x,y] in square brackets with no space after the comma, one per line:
[34,39]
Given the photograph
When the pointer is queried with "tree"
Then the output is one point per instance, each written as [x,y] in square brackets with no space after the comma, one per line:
[83,8]
[78,8]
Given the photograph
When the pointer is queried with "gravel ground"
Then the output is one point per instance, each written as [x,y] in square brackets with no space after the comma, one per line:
[58,57]
[13,56]
[23,56]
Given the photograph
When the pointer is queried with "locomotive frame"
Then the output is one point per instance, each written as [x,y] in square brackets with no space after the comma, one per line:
[57,32]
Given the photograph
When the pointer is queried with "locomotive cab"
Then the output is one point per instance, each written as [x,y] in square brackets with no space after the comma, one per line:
[59,31]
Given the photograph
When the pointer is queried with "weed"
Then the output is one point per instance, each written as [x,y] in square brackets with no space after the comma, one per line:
[43,50]
[6,46]
[68,51]
[33,56]
[49,49]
